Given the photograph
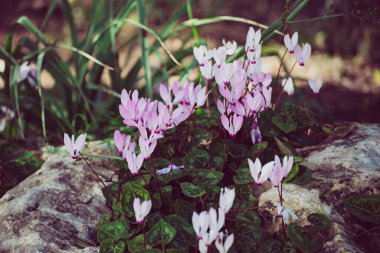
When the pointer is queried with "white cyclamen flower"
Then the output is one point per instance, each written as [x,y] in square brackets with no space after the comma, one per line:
[6,114]
[141,209]
[226,199]
[201,223]
[259,173]
[315,86]
[74,147]
[166,170]
[201,54]
[223,248]
[288,86]
[285,213]
[291,43]
[303,53]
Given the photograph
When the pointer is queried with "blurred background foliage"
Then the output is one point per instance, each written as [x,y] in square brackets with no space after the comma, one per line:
[85,52]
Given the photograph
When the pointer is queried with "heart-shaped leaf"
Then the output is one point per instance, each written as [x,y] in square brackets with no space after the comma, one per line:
[287,125]
[191,190]
[161,233]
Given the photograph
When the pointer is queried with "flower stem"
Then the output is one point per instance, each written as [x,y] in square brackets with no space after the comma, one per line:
[93,171]
[282,90]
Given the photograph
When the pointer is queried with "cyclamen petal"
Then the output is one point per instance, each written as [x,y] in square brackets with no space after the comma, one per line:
[316,85]
[291,43]
[288,86]
[141,209]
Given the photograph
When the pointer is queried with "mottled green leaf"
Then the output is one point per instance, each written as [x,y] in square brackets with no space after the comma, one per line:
[161,233]
[192,190]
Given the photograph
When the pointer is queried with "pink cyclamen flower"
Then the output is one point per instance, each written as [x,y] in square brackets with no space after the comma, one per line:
[291,43]
[224,247]
[119,140]
[315,86]
[207,70]
[74,146]
[280,171]
[232,124]
[226,199]
[260,173]
[303,53]
[253,40]
[142,209]
[134,161]
[256,135]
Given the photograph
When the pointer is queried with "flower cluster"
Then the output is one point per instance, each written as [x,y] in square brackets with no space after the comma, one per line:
[243,86]
[274,170]
[152,118]
[207,224]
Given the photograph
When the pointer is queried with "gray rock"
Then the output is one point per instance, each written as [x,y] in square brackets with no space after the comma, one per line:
[340,168]
[54,210]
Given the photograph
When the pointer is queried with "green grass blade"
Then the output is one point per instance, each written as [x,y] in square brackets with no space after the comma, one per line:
[190,16]
[86,55]
[40,60]
[52,6]
[205,21]
[28,24]
[14,70]
[145,50]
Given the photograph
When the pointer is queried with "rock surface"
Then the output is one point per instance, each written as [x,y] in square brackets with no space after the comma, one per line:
[339,168]
[54,210]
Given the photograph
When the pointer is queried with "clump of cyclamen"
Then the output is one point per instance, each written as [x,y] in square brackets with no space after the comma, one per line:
[152,118]
[242,84]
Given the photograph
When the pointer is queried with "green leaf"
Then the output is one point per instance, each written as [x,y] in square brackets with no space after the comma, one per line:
[113,230]
[292,173]
[136,244]
[301,241]
[184,208]
[109,246]
[185,235]
[196,159]
[216,162]
[217,148]
[161,233]
[247,219]
[191,190]
[267,127]
[319,222]
[303,176]
[287,125]
[258,148]
[364,207]
[285,149]
[204,177]
[243,176]
[130,192]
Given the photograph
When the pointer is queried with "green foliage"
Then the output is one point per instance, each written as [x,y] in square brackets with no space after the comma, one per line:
[161,233]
